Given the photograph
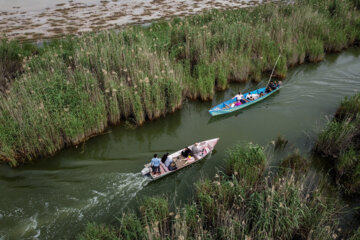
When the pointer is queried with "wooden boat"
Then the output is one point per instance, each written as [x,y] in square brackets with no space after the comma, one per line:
[227,106]
[181,162]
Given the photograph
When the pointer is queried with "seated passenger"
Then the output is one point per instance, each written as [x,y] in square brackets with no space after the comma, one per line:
[255,96]
[275,84]
[196,149]
[250,97]
[187,152]
[261,94]
[238,97]
[243,101]
[268,89]
[272,85]
[172,166]
[168,160]
[163,158]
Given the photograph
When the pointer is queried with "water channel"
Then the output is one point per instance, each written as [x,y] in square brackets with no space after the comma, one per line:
[54,198]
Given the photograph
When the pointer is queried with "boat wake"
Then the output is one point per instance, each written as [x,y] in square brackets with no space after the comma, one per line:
[107,196]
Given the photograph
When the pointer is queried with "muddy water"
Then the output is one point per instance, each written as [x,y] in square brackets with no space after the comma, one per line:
[39,19]
[54,198]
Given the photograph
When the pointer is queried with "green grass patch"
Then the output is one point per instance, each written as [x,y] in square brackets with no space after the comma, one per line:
[246,162]
[339,143]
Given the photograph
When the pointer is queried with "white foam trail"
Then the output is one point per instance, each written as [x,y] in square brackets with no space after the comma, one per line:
[115,188]
[3,236]
[31,230]
[99,193]
[32,223]
[110,194]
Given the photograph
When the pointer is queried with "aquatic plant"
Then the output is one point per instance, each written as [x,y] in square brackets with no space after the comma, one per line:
[280,143]
[349,109]
[95,231]
[155,213]
[356,234]
[339,143]
[131,227]
[70,89]
[246,162]
[295,164]
[275,207]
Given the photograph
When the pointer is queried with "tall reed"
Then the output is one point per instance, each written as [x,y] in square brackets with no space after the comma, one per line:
[73,88]
[339,144]
[277,207]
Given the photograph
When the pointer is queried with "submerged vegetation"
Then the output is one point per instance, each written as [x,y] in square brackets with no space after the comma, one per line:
[245,202]
[71,89]
[340,143]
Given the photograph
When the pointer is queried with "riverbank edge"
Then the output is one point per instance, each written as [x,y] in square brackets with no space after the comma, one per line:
[19,156]
[245,201]
[338,146]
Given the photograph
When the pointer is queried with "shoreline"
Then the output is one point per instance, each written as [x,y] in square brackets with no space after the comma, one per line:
[246,200]
[75,88]
[76,18]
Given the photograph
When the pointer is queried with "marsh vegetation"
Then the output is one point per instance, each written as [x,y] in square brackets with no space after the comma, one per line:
[339,143]
[73,88]
[244,202]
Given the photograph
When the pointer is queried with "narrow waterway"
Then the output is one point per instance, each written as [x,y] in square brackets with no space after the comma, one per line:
[54,198]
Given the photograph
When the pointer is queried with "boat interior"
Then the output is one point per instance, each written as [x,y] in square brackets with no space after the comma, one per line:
[181,161]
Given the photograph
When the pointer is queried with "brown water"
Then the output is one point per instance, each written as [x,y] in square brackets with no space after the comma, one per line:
[54,198]
[40,19]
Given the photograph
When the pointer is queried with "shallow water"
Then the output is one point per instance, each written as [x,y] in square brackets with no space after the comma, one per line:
[54,198]
[40,19]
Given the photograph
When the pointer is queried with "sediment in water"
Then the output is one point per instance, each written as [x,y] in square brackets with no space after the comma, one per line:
[73,88]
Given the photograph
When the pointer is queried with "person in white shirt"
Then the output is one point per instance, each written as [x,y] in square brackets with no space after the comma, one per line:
[249,97]
[168,160]
[240,98]
[255,96]
[252,96]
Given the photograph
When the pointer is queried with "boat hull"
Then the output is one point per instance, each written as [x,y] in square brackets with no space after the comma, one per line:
[206,147]
[219,109]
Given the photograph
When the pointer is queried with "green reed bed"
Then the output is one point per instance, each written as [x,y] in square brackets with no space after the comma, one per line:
[340,143]
[73,88]
[11,57]
[295,161]
[356,234]
[236,205]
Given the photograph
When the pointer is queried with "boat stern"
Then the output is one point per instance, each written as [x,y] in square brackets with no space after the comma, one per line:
[145,171]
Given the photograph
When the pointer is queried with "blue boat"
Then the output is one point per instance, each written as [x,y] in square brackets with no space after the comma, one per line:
[226,107]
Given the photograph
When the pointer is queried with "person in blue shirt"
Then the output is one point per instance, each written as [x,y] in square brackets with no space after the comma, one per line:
[155,164]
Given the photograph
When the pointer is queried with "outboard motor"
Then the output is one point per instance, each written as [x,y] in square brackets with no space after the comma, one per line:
[145,171]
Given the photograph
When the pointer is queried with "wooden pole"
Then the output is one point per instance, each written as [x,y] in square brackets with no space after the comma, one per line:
[272,72]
